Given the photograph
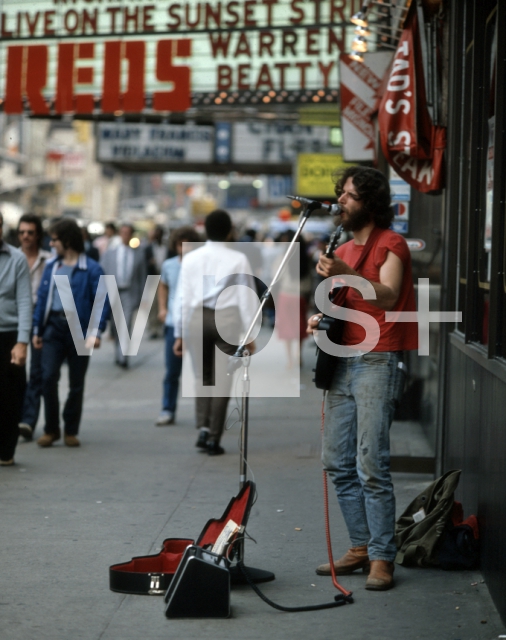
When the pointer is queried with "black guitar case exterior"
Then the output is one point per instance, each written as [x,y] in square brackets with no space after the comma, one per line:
[151,575]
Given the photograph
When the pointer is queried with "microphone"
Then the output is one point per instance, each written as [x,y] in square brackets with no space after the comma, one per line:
[331,209]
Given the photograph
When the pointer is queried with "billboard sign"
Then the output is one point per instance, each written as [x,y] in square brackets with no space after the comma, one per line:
[95,57]
[124,142]
[261,145]
[277,143]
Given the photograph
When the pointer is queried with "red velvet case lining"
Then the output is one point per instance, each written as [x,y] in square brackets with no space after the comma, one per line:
[237,510]
[166,561]
[170,556]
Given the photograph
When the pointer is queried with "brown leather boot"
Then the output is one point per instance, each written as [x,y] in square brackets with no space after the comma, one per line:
[48,438]
[381,576]
[355,558]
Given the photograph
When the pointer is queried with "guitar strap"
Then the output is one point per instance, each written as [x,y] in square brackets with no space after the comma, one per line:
[340,295]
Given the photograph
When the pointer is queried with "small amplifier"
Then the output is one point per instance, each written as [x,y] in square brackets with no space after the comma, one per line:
[200,587]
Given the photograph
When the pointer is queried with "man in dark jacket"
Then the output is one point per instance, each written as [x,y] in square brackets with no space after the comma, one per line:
[53,334]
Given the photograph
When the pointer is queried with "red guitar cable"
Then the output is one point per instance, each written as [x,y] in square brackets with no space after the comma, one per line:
[345,597]
[327,521]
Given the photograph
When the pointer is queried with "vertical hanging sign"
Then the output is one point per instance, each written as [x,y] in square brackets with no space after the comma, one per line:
[359,85]
[413,146]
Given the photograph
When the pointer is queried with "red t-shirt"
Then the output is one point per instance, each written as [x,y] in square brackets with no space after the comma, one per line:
[394,336]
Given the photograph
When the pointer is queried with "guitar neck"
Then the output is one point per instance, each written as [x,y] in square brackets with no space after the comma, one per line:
[333,242]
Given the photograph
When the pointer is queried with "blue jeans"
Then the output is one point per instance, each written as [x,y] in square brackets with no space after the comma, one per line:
[356,447]
[173,366]
[57,345]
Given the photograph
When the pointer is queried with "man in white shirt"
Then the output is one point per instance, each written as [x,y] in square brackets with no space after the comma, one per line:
[206,298]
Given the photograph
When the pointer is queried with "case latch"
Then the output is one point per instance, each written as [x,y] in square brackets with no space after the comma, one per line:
[154,584]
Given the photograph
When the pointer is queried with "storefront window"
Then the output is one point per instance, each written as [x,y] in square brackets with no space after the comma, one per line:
[466,184]
[487,178]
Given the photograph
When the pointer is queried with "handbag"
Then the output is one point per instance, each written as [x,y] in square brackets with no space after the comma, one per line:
[325,362]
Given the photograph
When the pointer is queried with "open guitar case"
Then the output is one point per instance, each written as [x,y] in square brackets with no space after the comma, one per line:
[152,575]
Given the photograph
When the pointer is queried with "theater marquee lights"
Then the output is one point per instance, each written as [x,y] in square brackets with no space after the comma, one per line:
[113,57]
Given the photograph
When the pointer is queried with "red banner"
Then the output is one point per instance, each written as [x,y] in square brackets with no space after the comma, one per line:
[413,146]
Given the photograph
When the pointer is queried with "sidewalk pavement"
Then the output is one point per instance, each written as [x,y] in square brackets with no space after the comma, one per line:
[67,514]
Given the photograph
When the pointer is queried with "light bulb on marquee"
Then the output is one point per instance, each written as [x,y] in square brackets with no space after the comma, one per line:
[360,19]
[359,44]
[363,31]
[357,57]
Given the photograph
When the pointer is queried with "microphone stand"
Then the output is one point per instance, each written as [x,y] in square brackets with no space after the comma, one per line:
[242,357]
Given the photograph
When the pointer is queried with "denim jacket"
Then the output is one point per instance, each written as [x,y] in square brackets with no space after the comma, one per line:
[83,283]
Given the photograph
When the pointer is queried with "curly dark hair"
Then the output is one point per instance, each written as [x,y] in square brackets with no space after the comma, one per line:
[183,234]
[374,192]
[68,232]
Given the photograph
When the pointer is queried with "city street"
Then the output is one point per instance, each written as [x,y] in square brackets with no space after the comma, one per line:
[67,514]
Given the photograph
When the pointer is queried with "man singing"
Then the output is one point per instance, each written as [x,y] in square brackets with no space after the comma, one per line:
[361,400]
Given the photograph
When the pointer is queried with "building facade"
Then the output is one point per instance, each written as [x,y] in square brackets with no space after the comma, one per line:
[473,356]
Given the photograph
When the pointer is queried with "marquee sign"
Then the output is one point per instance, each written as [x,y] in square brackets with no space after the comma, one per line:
[120,56]
[264,145]
[122,142]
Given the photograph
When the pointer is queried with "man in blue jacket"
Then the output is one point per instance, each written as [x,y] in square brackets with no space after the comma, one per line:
[53,335]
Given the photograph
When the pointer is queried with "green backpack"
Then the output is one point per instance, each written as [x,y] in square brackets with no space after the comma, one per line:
[421,528]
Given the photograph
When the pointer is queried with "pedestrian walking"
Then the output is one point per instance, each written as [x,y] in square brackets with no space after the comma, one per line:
[30,234]
[15,326]
[52,333]
[200,306]
[156,253]
[108,240]
[128,264]
[166,297]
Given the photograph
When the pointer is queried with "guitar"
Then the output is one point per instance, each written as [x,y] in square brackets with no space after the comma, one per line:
[325,363]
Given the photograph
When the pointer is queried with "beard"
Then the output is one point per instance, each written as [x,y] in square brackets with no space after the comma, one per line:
[357,220]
